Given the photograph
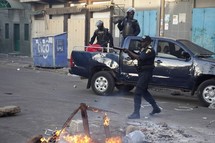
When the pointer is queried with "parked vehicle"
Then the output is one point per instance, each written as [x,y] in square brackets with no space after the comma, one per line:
[179,64]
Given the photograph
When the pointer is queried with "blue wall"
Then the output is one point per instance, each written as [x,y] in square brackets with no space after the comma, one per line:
[147,21]
[203,27]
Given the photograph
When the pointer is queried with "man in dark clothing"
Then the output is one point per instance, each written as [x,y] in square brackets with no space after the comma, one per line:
[129,26]
[145,69]
[103,35]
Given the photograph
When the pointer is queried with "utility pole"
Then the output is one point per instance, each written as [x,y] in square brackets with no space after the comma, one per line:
[87,23]
[162,17]
[66,17]
[132,3]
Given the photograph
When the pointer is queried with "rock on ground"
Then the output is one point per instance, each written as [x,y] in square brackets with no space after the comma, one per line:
[9,110]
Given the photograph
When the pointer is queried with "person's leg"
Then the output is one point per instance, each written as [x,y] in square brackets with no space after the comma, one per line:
[137,105]
[146,95]
[137,100]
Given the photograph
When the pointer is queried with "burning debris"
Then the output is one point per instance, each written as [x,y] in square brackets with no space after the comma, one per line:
[64,136]
[134,132]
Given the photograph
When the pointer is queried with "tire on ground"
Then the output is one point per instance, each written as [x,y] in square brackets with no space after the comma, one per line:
[206,92]
[102,83]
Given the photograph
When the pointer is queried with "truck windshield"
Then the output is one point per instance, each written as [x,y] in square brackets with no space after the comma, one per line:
[196,49]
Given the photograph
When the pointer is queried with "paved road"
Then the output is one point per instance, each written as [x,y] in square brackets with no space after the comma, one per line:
[47,99]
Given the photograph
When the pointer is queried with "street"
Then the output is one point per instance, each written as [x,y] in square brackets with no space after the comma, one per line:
[48,98]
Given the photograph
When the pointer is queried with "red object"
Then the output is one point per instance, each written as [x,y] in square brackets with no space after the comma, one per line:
[94,48]
[71,61]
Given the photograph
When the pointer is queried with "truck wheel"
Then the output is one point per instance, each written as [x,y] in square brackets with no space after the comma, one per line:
[125,88]
[102,83]
[206,92]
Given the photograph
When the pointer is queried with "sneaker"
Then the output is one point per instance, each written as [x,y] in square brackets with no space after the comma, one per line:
[134,116]
[154,111]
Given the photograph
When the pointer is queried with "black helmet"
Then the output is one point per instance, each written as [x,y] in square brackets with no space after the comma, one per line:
[147,39]
[99,23]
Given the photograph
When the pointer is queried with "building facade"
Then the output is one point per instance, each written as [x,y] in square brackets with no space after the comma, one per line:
[169,18]
[15,27]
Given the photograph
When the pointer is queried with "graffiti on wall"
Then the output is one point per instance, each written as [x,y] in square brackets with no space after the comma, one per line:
[44,46]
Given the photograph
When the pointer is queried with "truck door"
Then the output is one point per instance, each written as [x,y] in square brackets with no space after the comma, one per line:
[128,70]
[171,68]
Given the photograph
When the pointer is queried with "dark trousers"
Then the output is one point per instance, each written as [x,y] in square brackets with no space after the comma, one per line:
[142,89]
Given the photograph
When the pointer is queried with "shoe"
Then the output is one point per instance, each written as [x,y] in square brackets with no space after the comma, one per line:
[155,110]
[134,116]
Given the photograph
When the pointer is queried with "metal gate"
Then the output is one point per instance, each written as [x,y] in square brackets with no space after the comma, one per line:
[203,29]
[147,21]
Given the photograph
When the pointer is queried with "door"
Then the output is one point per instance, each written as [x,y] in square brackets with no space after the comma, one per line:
[147,21]
[16,37]
[128,68]
[171,68]
[203,29]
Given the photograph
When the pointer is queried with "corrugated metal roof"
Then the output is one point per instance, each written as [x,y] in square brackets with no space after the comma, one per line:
[15,4]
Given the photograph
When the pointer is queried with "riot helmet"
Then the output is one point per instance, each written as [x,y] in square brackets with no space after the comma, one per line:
[130,13]
[100,24]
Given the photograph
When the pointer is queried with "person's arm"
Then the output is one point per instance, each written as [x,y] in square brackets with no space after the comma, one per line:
[111,39]
[120,25]
[93,38]
[131,54]
[136,28]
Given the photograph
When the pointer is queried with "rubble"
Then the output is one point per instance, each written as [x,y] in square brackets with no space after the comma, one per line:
[156,133]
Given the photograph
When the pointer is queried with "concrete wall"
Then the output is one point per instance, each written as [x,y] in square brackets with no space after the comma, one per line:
[15,16]
[204,3]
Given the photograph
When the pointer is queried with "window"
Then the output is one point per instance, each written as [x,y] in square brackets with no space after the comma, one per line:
[169,50]
[6,31]
[26,28]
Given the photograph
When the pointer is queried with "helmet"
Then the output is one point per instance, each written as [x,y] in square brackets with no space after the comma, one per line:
[130,9]
[130,13]
[99,23]
[147,39]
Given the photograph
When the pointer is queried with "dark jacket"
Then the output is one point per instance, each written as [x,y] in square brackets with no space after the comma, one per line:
[129,27]
[103,37]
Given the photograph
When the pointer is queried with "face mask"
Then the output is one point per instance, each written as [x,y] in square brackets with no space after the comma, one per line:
[130,15]
[100,27]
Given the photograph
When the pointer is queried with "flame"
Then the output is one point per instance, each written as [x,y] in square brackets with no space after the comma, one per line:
[106,120]
[66,137]
[113,140]
[78,139]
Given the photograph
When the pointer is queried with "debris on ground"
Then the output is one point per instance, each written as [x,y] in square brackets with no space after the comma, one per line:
[183,108]
[210,123]
[9,110]
[157,133]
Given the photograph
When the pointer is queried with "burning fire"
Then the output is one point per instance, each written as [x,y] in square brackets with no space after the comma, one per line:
[80,138]
[65,137]
[113,140]
[106,120]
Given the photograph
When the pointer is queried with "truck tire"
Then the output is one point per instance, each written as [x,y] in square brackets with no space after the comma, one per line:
[125,88]
[206,92]
[102,83]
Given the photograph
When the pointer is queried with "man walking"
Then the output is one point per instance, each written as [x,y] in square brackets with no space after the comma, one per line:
[145,69]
